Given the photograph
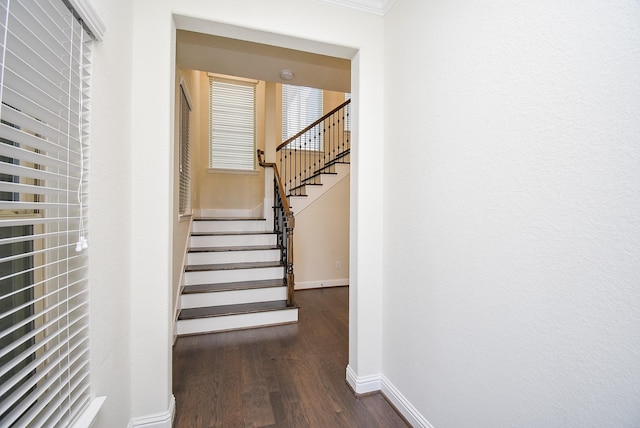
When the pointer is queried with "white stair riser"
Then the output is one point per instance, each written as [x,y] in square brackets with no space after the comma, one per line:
[233,297]
[201,226]
[205,258]
[232,322]
[232,240]
[232,275]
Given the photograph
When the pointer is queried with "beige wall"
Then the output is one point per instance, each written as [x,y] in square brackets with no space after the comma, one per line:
[226,190]
[321,239]
[331,100]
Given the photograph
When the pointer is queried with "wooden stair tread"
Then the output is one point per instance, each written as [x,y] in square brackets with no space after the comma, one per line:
[230,233]
[225,249]
[245,308]
[231,286]
[232,266]
[230,219]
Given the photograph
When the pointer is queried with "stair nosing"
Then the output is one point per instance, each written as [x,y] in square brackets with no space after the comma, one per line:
[233,249]
[232,266]
[231,233]
[232,286]
[229,219]
[251,308]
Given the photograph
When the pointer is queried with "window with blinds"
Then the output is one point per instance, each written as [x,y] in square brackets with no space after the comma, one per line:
[184,205]
[301,106]
[44,332]
[347,119]
[232,124]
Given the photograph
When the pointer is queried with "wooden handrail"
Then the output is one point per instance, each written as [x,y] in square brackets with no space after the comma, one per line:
[284,143]
[288,214]
[262,163]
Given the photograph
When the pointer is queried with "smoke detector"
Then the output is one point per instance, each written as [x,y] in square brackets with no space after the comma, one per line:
[286,74]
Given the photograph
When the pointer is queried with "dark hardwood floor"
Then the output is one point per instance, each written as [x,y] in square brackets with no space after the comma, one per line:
[283,376]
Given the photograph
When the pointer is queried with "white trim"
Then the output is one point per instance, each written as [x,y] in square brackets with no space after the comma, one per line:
[322,283]
[379,7]
[232,171]
[374,383]
[241,213]
[363,384]
[267,211]
[184,217]
[88,416]
[177,307]
[161,420]
[89,17]
[406,409]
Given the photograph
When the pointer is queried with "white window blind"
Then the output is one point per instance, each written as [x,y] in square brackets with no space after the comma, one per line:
[347,119]
[184,205]
[44,88]
[301,106]
[232,124]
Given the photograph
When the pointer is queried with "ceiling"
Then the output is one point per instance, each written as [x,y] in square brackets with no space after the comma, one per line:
[243,58]
[216,54]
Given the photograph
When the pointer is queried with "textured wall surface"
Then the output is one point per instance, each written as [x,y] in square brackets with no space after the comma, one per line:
[512,212]
[110,215]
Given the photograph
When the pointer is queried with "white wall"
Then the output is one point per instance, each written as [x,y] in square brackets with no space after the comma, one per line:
[152,158]
[110,232]
[511,220]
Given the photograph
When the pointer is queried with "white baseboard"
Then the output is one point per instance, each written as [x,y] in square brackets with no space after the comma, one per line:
[373,383]
[403,405]
[162,420]
[304,285]
[249,212]
[363,384]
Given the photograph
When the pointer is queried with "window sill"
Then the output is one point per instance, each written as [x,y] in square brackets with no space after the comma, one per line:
[88,416]
[232,171]
[184,217]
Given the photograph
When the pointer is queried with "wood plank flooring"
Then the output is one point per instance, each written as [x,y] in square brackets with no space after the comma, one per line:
[284,376]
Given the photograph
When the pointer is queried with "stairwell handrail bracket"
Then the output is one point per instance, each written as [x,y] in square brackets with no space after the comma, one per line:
[284,223]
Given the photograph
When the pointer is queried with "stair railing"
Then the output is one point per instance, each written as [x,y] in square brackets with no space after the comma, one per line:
[283,225]
[316,149]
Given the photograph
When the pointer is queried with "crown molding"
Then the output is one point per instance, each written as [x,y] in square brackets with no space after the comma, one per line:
[379,7]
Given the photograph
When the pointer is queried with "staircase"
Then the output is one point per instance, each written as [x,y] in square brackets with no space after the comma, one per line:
[308,192]
[233,278]
[316,158]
